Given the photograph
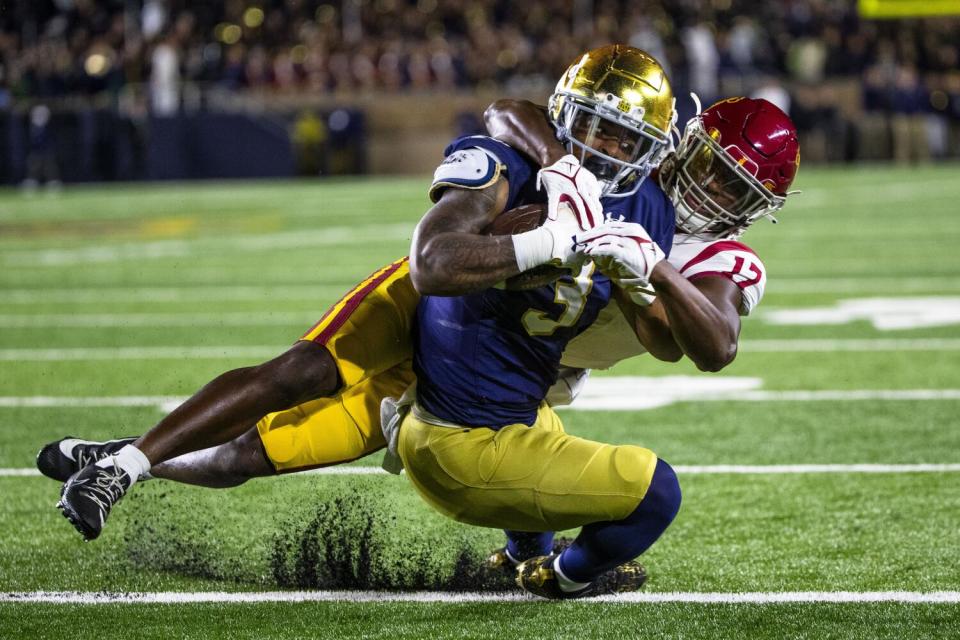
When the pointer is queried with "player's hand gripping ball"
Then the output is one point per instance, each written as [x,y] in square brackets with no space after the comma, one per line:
[518,220]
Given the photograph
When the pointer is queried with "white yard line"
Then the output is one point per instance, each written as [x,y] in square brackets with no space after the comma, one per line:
[332,236]
[226,293]
[252,293]
[139,353]
[864,285]
[842,395]
[718,469]
[854,344]
[600,395]
[258,318]
[264,351]
[195,597]
[95,401]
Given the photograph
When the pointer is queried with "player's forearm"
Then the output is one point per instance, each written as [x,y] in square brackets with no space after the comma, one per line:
[706,334]
[455,263]
[451,255]
[524,126]
[651,326]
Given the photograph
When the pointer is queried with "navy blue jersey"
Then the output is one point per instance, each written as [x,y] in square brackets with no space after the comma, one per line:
[488,358]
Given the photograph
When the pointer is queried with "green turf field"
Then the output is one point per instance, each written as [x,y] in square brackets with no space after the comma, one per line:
[137,295]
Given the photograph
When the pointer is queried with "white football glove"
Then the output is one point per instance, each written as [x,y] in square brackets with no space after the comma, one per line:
[625,253]
[566,181]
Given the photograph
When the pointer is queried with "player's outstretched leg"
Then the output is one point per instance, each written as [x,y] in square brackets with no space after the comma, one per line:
[89,495]
[223,466]
[227,406]
[221,411]
[600,560]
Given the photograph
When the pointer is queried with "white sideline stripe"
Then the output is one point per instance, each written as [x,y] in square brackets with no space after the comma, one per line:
[769,597]
[717,469]
[261,351]
[777,469]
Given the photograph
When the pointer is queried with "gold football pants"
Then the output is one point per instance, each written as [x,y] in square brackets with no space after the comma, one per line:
[524,478]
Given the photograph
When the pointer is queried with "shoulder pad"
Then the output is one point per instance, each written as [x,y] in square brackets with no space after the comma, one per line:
[465,169]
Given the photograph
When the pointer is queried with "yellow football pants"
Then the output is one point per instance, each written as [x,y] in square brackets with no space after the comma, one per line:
[534,478]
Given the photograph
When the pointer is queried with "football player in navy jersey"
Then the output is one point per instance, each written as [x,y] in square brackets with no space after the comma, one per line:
[478,441]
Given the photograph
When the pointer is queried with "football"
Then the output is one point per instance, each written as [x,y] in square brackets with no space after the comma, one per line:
[518,220]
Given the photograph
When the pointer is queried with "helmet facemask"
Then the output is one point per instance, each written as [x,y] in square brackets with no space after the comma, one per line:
[618,147]
[713,189]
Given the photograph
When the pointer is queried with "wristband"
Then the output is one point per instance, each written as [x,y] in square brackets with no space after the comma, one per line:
[533,248]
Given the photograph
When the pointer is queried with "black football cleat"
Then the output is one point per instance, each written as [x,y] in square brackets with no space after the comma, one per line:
[61,459]
[89,494]
[538,577]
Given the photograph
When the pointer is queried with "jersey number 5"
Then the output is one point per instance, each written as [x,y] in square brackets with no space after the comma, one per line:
[573,297]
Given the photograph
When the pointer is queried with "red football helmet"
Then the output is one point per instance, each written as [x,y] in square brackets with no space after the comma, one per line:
[733,165]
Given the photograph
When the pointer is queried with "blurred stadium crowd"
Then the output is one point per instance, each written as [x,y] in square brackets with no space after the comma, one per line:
[843,78]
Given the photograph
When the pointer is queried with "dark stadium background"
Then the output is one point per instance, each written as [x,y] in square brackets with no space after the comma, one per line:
[170,89]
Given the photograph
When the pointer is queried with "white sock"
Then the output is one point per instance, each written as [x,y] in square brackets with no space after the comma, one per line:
[131,460]
[566,584]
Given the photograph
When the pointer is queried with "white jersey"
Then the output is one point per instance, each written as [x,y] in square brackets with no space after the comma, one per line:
[610,338]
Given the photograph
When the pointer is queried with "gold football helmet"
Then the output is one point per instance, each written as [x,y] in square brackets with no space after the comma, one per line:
[616,106]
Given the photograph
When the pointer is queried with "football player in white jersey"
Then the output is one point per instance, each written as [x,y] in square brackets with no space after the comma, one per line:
[734,165]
